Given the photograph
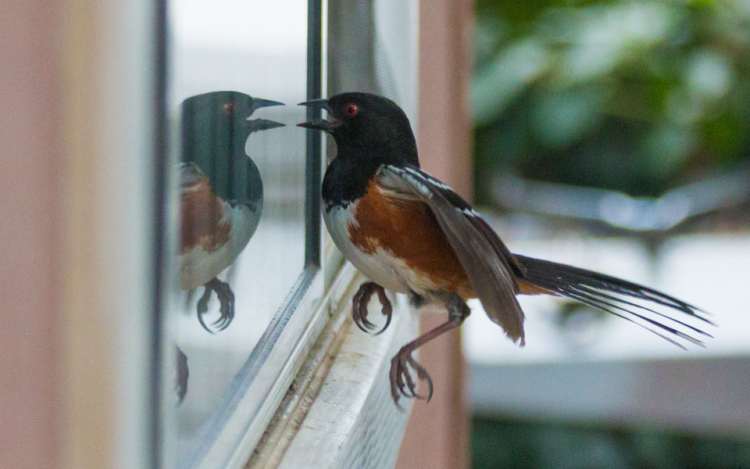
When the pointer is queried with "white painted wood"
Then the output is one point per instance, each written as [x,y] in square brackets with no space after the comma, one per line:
[352,420]
[105,54]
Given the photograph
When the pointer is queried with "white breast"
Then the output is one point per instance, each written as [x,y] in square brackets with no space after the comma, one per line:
[381,266]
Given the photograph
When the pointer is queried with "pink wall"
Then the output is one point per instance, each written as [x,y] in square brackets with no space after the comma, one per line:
[30,168]
[437,434]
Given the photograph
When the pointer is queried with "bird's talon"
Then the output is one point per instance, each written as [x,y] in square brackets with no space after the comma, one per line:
[402,382]
[421,375]
[360,302]
[409,382]
[387,308]
[356,311]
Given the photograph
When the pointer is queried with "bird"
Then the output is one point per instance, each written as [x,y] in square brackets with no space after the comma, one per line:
[221,191]
[410,233]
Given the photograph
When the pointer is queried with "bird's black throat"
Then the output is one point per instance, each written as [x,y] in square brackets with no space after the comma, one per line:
[349,174]
[346,181]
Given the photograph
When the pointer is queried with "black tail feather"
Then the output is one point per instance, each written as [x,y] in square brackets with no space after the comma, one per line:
[599,291]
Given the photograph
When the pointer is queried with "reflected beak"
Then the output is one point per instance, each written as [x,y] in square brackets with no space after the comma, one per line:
[256,125]
[260,103]
[318,124]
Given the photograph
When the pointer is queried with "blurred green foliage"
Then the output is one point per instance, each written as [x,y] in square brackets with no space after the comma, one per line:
[509,444]
[632,96]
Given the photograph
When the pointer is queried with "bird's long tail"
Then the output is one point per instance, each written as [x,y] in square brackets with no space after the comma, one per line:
[641,305]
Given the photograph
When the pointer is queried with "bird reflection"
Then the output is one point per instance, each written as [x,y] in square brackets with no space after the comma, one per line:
[221,192]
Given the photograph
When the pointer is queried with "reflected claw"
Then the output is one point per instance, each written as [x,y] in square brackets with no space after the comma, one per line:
[226,300]
[202,308]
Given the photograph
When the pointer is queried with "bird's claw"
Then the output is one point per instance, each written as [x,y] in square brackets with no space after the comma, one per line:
[202,308]
[402,383]
[226,300]
[359,307]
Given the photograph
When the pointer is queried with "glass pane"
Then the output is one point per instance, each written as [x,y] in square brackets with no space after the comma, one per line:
[242,188]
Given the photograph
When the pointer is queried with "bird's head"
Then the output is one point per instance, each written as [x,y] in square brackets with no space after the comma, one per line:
[223,118]
[366,126]
[215,128]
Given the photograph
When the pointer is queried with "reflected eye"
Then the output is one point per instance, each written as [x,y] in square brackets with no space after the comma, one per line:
[352,110]
[229,108]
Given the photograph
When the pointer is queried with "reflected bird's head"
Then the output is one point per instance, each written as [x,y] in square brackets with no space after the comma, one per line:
[214,136]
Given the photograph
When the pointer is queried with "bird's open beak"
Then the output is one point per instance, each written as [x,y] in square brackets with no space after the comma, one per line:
[256,125]
[318,124]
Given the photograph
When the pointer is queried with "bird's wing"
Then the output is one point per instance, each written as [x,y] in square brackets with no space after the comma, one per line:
[487,262]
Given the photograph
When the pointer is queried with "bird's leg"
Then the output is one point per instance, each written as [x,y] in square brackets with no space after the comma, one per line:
[362,299]
[181,375]
[402,382]
[226,300]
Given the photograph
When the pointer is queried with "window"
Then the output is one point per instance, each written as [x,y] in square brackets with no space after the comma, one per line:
[244,317]
[248,247]
[130,144]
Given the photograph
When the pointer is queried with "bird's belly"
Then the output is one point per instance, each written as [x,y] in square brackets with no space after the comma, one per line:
[401,253]
[204,262]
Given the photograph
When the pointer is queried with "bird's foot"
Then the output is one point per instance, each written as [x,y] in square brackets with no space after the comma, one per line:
[362,299]
[226,300]
[402,383]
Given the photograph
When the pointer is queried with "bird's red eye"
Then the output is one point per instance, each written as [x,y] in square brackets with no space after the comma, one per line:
[229,108]
[352,110]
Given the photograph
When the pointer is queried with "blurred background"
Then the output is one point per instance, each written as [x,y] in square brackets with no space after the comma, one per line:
[612,135]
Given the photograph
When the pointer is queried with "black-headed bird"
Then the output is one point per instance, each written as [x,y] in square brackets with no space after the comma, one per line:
[221,191]
[410,233]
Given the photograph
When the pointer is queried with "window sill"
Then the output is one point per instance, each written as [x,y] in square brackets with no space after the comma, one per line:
[339,411]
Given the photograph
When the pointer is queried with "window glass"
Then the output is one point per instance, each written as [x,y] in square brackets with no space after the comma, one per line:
[242,182]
